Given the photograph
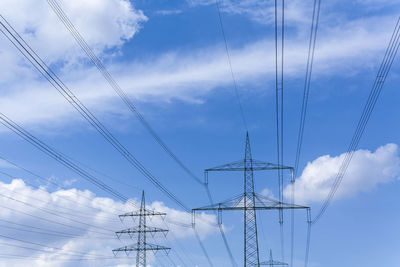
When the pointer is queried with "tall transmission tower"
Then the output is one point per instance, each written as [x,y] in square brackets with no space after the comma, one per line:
[271,261]
[249,201]
[141,231]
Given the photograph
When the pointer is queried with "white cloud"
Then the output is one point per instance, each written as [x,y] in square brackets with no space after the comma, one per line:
[263,11]
[184,75]
[366,170]
[95,216]
[267,193]
[191,75]
[104,24]
[297,13]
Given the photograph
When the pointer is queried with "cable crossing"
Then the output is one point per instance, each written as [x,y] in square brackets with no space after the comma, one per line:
[96,61]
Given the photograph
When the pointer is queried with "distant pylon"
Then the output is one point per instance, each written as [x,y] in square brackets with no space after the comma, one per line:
[271,261]
[141,246]
[249,202]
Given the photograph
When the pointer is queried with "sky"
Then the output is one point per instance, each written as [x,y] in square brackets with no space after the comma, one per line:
[169,57]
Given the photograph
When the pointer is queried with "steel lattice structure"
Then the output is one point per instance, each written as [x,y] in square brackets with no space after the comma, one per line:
[271,261]
[141,247]
[249,201]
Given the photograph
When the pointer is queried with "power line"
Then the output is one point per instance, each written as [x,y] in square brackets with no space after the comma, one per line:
[71,252]
[51,233]
[202,247]
[60,235]
[56,205]
[56,184]
[52,221]
[307,82]
[23,257]
[308,244]
[47,181]
[61,158]
[38,63]
[279,107]
[129,103]
[380,79]
[97,62]
[57,156]
[40,250]
[235,86]
[183,249]
[54,213]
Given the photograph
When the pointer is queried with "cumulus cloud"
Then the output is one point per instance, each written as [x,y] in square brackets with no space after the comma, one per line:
[105,25]
[366,171]
[78,222]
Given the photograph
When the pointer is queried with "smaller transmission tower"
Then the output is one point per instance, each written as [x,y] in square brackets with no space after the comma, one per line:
[141,231]
[271,261]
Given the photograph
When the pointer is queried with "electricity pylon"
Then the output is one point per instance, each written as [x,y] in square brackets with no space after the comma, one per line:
[249,201]
[271,261]
[141,246]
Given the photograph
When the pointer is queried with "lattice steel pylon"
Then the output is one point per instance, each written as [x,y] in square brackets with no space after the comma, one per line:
[249,201]
[271,261]
[141,247]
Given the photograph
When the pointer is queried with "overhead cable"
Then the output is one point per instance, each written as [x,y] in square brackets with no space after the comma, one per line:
[10,33]
[235,85]
[97,62]
[307,82]
[376,89]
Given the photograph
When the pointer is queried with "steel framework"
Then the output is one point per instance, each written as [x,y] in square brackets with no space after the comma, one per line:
[271,261]
[249,201]
[141,247]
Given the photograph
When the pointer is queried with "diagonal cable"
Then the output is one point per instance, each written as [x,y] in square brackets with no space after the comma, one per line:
[380,79]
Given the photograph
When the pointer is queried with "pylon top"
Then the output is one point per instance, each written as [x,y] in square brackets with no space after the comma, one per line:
[271,261]
[143,211]
[256,165]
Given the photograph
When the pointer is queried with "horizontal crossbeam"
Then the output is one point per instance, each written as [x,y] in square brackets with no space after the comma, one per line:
[257,165]
[142,213]
[137,230]
[146,247]
[261,203]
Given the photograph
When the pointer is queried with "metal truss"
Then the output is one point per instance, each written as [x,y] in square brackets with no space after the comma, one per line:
[249,202]
[128,249]
[141,231]
[271,261]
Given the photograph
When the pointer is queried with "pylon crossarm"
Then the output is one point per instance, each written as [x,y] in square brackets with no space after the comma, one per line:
[273,263]
[143,213]
[142,248]
[260,203]
[135,230]
[234,201]
[257,165]
[261,200]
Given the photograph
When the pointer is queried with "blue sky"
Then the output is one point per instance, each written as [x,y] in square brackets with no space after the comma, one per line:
[169,56]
